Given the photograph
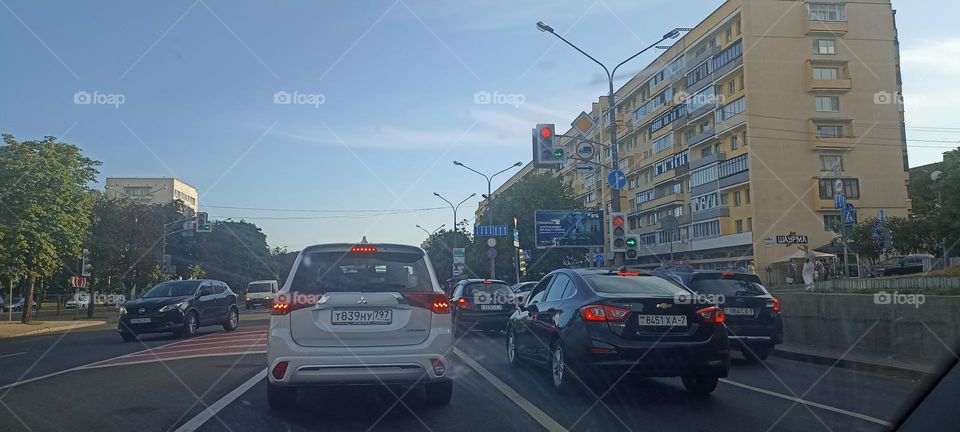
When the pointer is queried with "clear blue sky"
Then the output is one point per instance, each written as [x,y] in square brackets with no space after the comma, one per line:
[397,80]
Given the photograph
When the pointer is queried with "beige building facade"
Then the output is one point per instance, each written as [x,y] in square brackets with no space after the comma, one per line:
[153,190]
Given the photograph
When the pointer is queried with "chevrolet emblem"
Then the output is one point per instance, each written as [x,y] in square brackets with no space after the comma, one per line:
[664,305]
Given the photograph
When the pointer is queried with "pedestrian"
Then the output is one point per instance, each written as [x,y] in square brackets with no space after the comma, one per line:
[751,268]
[821,270]
[808,267]
[792,272]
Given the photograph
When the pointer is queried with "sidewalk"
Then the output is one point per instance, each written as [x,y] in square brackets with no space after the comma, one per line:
[14,329]
[864,360]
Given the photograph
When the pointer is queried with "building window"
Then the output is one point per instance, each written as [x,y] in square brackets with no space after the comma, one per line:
[851,188]
[706,151]
[733,166]
[825,46]
[827,162]
[703,176]
[744,138]
[831,222]
[729,34]
[591,197]
[734,144]
[663,143]
[830,131]
[729,110]
[731,87]
[737,25]
[706,202]
[706,229]
[828,12]
[749,224]
[726,56]
[825,73]
[736,199]
[698,73]
[739,223]
[828,103]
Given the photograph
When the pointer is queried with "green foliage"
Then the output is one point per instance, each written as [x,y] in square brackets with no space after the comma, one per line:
[196,271]
[439,247]
[236,253]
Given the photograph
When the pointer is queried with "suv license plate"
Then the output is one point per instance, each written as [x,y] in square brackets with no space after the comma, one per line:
[139,320]
[663,320]
[361,317]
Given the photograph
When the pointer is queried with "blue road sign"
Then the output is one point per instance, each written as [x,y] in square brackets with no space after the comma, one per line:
[598,258]
[527,255]
[839,201]
[617,179]
[492,253]
[849,215]
[490,230]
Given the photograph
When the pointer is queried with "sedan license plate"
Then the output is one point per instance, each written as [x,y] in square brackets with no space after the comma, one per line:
[139,320]
[663,320]
[491,307]
[362,317]
[736,311]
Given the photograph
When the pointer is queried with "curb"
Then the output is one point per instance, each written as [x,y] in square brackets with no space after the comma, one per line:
[853,364]
[55,329]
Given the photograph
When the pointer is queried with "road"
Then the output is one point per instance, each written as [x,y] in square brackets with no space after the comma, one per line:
[91,380]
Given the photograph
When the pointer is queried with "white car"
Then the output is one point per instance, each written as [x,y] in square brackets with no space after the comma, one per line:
[369,314]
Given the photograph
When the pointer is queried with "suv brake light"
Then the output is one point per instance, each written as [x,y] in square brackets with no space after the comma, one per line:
[712,314]
[285,303]
[604,313]
[774,303]
[435,302]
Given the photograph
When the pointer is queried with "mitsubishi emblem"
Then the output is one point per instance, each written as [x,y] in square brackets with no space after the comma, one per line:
[362,300]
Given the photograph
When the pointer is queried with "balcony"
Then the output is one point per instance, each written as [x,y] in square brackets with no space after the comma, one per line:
[725,69]
[701,137]
[837,85]
[707,160]
[716,212]
[730,123]
[832,27]
[730,180]
[666,199]
[700,110]
[692,63]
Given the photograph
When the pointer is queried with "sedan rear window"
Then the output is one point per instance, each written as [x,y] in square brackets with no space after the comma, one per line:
[322,272]
[494,293]
[728,287]
[647,285]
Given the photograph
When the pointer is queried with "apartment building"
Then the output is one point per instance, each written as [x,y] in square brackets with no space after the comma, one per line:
[153,190]
[740,128]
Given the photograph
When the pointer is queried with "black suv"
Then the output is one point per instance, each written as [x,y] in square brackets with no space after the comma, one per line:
[752,314]
[180,307]
[481,304]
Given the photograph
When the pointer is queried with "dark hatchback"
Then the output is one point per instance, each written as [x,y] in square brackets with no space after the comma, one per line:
[585,324]
[753,317]
[481,304]
[179,307]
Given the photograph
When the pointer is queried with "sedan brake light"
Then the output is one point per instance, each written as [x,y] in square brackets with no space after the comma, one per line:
[774,303]
[463,303]
[603,313]
[435,302]
[712,314]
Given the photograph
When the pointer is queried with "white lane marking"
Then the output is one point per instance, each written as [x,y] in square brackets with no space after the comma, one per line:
[156,360]
[213,409]
[232,348]
[541,417]
[810,403]
[11,355]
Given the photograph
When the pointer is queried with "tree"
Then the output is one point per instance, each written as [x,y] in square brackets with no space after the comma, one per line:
[196,271]
[46,203]
[439,247]
[947,219]
[912,235]
[236,253]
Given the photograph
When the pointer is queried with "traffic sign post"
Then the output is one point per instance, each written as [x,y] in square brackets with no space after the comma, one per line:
[490,230]
[617,179]
[849,219]
[839,201]
[669,224]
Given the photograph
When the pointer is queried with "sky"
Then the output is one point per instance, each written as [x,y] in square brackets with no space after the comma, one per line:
[356,110]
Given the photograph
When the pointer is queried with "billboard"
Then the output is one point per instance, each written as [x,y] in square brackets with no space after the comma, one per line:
[568,228]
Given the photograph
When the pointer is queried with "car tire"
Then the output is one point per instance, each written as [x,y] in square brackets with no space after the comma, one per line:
[233,320]
[190,324]
[756,353]
[511,341]
[439,393]
[128,337]
[700,385]
[281,397]
[563,380]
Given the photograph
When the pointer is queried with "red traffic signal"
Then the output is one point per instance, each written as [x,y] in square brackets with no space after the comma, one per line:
[618,221]
[546,132]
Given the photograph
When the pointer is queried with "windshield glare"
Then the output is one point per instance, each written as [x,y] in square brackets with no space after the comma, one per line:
[173,289]
[259,288]
[629,285]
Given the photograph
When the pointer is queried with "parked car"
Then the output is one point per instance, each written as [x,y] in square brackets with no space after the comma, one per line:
[81,300]
[260,293]
[595,322]
[17,305]
[180,307]
[900,265]
[753,320]
[481,304]
[364,314]
[520,290]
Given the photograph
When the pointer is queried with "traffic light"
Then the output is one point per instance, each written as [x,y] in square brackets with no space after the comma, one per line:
[618,232]
[85,267]
[203,222]
[631,247]
[547,153]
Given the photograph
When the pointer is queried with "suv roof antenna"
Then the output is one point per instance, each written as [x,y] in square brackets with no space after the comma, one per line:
[363,240]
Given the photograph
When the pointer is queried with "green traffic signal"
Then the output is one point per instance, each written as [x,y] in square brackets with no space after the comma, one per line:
[558,153]
[631,242]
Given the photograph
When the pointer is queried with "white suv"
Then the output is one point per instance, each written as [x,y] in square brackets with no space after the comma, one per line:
[360,314]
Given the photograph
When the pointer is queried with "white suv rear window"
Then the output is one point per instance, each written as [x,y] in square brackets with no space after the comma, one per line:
[322,272]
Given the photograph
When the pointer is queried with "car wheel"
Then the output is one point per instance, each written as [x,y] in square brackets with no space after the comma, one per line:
[559,371]
[190,324]
[233,319]
[756,353]
[281,397]
[700,385]
[128,337]
[439,393]
[512,357]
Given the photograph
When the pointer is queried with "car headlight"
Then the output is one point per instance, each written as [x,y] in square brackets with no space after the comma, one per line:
[123,310]
[182,306]
[248,298]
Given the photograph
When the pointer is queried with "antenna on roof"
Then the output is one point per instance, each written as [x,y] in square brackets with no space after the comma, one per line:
[363,240]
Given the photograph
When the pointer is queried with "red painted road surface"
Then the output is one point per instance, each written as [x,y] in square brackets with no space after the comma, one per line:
[247,340]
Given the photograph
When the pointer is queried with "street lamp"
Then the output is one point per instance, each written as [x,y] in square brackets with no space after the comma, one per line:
[611,107]
[935,177]
[434,231]
[454,236]
[489,178]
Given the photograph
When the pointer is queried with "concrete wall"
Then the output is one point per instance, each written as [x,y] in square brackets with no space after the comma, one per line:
[840,320]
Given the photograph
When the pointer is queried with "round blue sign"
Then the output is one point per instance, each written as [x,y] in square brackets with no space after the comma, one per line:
[617,179]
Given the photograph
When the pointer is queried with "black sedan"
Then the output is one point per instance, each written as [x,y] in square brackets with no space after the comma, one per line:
[179,307]
[586,323]
[753,317]
[481,304]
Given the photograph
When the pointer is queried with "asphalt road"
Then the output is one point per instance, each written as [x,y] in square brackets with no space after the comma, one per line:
[91,380]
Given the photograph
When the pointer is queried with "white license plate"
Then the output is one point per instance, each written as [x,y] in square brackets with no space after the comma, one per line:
[663,320]
[734,311]
[139,320]
[362,317]
[491,307]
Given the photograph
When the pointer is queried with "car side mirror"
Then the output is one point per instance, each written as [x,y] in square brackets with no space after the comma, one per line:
[532,308]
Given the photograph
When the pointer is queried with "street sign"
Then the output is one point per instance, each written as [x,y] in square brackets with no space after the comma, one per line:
[516,238]
[528,255]
[583,123]
[617,179]
[492,242]
[838,186]
[459,261]
[598,258]
[585,150]
[491,253]
[839,201]
[490,230]
[768,242]
[849,215]
[78,281]
[585,167]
